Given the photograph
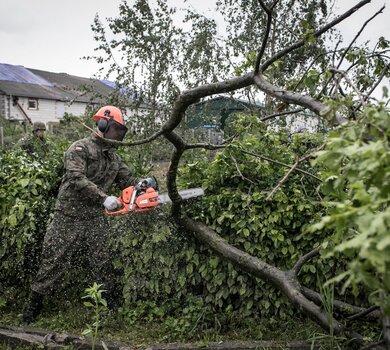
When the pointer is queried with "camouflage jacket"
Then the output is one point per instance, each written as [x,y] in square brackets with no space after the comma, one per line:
[33,145]
[91,168]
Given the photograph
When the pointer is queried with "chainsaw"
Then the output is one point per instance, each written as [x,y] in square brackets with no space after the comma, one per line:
[138,200]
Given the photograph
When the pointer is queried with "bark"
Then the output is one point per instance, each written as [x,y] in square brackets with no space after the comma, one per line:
[291,97]
[386,330]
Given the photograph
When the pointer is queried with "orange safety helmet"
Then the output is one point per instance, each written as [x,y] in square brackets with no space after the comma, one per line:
[109,112]
[110,123]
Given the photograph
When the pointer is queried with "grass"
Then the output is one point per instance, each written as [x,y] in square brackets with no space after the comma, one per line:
[73,320]
[137,328]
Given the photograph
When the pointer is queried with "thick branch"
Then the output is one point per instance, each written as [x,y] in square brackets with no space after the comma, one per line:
[279,163]
[294,98]
[284,281]
[266,35]
[291,97]
[188,97]
[363,313]
[179,144]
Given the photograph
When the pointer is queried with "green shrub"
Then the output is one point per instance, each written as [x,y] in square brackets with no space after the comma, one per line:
[26,203]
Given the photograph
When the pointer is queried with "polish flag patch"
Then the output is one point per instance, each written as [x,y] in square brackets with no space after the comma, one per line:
[78,149]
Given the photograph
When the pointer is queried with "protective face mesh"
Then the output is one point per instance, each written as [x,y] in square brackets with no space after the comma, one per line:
[115,131]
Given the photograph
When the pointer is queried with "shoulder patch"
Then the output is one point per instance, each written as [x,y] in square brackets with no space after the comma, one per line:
[78,149]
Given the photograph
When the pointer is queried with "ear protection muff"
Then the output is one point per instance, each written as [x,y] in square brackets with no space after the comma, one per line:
[103,122]
[102,125]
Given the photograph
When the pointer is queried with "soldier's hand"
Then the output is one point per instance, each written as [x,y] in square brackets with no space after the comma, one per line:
[111,203]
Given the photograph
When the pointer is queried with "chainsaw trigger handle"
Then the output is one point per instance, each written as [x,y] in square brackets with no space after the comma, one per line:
[121,211]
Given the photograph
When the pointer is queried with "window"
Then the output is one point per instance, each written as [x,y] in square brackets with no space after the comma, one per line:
[32,103]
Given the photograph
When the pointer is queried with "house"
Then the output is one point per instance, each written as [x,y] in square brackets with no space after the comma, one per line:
[214,112]
[207,119]
[35,95]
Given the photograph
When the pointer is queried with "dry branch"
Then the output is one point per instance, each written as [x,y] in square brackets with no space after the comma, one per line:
[363,313]
[260,156]
[350,83]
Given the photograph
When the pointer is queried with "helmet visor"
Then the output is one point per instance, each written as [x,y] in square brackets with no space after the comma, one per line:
[115,131]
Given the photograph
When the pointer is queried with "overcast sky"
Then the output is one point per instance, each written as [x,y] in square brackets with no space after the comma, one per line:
[54,35]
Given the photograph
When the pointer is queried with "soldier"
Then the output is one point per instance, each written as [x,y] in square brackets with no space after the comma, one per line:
[35,142]
[79,226]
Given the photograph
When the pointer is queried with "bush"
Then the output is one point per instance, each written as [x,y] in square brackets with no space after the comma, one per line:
[26,203]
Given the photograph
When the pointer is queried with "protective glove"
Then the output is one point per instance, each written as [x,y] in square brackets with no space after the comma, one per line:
[111,203]
[148,182]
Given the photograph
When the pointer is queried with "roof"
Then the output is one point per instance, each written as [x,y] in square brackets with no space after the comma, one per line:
[28,82]
[19,74]
[76,87]
[31,90]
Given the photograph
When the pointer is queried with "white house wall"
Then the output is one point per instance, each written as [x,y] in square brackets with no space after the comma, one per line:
[48,111]
[45,112]
[52,111]
[76,108]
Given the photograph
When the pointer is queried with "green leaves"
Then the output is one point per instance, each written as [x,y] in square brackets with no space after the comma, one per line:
[99,305]
[356,164]
[25,207]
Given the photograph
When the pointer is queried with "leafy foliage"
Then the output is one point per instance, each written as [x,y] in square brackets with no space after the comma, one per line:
[357,185]
[25,205]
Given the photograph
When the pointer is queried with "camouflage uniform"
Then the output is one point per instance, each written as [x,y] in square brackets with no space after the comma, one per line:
[33,145]
[79,226]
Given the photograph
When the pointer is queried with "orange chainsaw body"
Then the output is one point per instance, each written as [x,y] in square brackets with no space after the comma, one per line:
[134,200]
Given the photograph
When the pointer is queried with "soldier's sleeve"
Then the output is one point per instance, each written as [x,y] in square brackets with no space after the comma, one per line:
[76,168]
[125,177]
